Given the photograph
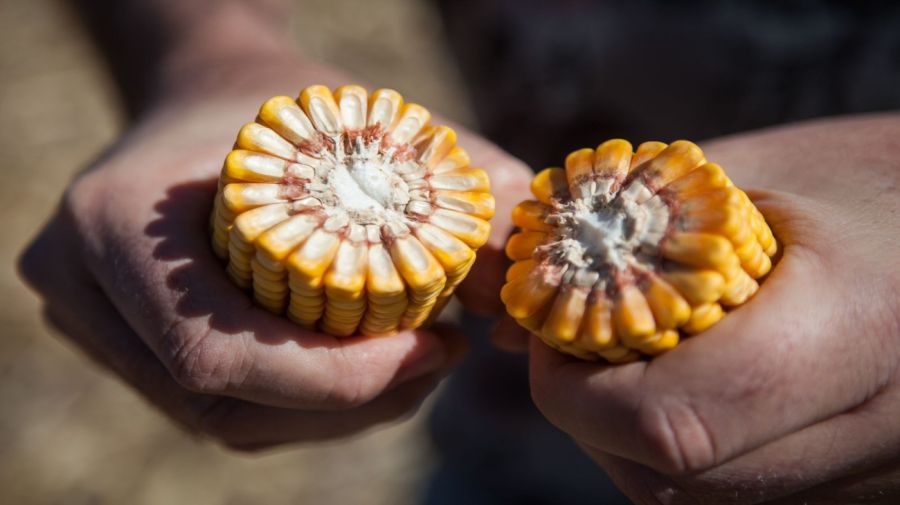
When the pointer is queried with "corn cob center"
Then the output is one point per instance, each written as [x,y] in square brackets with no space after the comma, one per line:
[605,236]
[361,178]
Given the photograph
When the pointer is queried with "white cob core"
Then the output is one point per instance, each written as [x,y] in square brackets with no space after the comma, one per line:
[366,185]
[356,177]
[607,232]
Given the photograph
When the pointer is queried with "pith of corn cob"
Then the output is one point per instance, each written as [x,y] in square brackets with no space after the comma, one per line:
[623,253]
[348,212]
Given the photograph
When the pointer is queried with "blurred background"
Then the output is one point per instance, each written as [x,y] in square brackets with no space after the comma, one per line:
[70,433]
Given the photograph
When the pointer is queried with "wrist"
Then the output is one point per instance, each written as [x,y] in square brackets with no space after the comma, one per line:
[159,48]
[224,53]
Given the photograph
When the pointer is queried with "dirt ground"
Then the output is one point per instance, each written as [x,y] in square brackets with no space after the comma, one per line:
[70,433]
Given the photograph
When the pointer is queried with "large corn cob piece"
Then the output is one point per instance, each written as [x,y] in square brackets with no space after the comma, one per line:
[348,212]
[624,253]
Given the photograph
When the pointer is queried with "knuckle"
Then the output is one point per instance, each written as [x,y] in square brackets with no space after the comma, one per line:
[199,364]
[676,437]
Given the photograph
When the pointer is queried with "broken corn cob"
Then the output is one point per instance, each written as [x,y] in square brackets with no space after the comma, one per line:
[348,212]
[623,253]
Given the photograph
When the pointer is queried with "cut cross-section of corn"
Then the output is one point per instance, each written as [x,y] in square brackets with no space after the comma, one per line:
[348,212]
[624,252]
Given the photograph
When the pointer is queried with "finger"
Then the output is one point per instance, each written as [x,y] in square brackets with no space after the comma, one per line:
[510,180]
[713,397]
[509,336]
[771,367]
[237,423]
[207,331]
[837,454]
[247,426]
[595,403]
[253,426]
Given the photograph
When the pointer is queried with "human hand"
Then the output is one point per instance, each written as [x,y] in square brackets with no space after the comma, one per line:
[127,274]
[793,397]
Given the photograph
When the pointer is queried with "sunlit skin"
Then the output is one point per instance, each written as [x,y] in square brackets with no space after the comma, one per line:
[793,396]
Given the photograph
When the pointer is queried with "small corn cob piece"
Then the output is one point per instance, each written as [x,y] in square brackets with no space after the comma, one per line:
[348,212]
[623,252]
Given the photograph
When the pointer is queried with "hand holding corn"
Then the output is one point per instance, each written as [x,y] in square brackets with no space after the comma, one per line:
[127,273]
[794,391]
[621,252]
[349,212]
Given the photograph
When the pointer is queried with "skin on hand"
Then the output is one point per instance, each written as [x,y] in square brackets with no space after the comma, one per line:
[127,273]
[793,396]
